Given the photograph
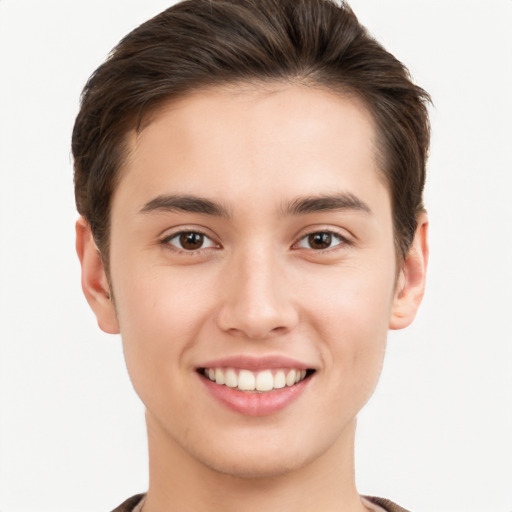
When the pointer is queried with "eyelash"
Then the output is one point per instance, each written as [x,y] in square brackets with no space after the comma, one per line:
[330,234]
[167,241]
[204,237]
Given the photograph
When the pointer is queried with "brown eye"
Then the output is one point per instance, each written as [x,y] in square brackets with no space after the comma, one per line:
[321,240]
[189,241]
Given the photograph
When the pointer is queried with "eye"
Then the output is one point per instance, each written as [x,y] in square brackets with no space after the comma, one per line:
[189,241]
[321,240]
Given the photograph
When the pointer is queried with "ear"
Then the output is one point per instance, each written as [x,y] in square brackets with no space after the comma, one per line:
[411,281]
[94,279]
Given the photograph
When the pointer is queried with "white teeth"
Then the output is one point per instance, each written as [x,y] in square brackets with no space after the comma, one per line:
[279,379]
[219,376]
[231,379]
[246,380]
[300,375]
[290,378]
[264,381]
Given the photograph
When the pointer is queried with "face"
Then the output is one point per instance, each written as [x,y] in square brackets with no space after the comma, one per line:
[254,275]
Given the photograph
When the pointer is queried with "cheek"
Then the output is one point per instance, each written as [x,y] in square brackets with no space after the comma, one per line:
[160,314]
[351,319]
[159,300]
[355,300]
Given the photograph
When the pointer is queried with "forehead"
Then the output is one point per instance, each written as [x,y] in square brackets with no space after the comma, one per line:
[238,140]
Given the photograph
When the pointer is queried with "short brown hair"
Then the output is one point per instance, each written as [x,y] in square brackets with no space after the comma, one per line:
[201,43]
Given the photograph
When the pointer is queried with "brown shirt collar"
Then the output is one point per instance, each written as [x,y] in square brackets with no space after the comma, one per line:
[387,505]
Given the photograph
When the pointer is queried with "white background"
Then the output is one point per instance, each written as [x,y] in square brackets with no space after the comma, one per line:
[437,434]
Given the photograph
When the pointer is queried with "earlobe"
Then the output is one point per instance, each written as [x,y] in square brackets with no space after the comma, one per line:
[411,282]
[94,279]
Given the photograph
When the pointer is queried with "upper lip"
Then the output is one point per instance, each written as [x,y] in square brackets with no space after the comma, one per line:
[254,363]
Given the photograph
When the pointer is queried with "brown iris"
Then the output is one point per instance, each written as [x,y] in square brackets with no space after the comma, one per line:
[320,240]
[191,240]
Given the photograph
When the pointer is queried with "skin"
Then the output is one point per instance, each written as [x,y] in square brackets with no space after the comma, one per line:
[256,286]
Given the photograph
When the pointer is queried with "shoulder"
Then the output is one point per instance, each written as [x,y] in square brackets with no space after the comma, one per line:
[385,504]
[130,504]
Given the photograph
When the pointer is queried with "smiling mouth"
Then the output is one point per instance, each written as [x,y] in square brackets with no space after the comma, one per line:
[256,382]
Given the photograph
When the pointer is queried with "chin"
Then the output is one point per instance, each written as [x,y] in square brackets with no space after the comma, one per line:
[257,458]
[252,469]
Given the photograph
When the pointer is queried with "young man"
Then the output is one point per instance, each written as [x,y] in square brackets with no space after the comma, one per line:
[249,175]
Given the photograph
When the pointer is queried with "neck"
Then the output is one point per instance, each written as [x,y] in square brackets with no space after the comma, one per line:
[179,482]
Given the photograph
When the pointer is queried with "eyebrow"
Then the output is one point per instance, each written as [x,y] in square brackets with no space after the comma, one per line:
[299,206]
[326,203]
[184,203]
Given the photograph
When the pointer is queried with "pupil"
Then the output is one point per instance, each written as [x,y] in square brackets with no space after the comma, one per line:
[191,241]
[320,240]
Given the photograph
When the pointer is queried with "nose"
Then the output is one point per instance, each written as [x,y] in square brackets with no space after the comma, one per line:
[257,299]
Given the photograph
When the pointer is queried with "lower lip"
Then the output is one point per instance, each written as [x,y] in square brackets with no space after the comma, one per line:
[255,404]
